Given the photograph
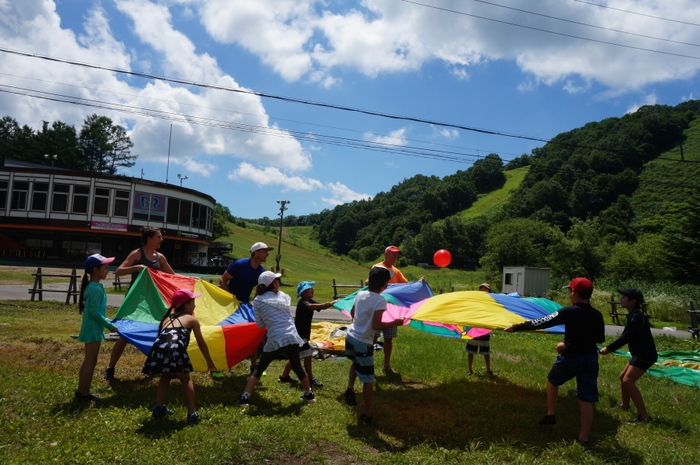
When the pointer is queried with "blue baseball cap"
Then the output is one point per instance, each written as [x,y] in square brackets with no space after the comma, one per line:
[304,285]
[93,261]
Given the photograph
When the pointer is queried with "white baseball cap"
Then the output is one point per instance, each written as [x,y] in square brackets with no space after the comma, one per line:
[260,246]
[268,277]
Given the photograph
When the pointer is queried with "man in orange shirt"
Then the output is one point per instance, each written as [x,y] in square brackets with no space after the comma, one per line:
[391,254]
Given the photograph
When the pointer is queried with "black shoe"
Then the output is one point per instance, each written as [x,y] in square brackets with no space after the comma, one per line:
[620,407]
[584,444]
[286,379]
[109,374]
[86,397]
[315,383]
[243,401]
[548,420]
[350,397]
[366,419]
[193,418]
[308,397]
[639,419]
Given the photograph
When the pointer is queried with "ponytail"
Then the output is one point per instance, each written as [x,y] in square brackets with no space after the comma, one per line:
[81,299]
[260,289]
[172,310]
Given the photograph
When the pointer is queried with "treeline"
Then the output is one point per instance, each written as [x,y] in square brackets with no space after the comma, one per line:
[580,209]
[99,147]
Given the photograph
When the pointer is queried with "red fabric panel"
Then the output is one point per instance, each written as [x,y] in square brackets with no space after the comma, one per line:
[168,283]
[241,340]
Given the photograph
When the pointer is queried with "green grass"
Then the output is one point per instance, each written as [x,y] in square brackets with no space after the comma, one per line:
[489,203]
[433,414]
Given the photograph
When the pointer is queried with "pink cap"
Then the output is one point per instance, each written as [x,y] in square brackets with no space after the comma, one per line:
[181,296]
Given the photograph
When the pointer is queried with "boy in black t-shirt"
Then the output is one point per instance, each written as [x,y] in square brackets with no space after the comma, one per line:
[302,320]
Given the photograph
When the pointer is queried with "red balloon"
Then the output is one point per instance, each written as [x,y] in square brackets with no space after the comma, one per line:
[442,258]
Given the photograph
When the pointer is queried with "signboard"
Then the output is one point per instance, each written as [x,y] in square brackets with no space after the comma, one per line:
[149,205]
[108,226]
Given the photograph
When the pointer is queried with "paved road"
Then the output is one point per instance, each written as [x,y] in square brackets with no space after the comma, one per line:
[19,292]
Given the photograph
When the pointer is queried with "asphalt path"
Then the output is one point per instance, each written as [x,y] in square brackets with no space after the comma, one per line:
[21,292]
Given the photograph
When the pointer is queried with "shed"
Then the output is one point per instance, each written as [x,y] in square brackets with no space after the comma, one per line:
[525,280]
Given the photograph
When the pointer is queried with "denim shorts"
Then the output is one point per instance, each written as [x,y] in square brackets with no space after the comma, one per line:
[582,367]
[362,356]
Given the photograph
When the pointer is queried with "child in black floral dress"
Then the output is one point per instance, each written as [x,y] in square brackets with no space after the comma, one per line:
[168,357]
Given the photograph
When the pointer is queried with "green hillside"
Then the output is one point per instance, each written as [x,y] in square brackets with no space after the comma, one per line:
[488,203]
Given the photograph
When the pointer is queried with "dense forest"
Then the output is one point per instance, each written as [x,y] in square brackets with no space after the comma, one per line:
[600,200]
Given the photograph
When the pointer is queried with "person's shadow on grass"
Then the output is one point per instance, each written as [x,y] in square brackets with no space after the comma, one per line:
[458,414]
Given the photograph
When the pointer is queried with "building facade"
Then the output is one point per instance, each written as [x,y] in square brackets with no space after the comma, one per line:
[59,216]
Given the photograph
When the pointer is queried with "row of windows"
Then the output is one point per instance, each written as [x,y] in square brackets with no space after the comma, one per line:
[148,207]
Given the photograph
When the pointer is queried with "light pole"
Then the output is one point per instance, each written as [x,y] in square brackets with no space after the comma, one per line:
[53,158]
[279,244]
[182,178]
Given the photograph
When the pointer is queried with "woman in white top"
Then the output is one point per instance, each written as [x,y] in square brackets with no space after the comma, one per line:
[272,313]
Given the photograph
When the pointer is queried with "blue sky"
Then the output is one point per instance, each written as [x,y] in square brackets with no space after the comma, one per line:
[436,60]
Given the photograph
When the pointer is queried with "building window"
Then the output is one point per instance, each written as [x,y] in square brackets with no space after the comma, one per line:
[195,214]
[121,204]
[509,278]
[173,210]
[3,194]
[210,219]
[81,196]
[60,198]
[20,190]
[101,204]
[185,213]
[39,196]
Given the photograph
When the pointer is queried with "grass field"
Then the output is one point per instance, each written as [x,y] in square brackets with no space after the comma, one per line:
[433,413]
[488,203]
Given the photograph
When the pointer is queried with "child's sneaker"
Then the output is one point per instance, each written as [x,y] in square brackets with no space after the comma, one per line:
[366,419]
[160,411]
[286,379]
[639,419]
[243,401]
[193,418]
[350,397]
[469,372]
[109,374]
[620,407]
[548,420]
[315,383]
[308,397]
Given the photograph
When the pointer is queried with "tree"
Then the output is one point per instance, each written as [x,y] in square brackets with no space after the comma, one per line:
[104,146]
[58,139]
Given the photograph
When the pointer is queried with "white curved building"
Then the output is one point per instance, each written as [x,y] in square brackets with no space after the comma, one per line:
[63,216]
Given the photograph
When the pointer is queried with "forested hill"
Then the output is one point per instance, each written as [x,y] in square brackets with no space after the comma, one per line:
[583,206]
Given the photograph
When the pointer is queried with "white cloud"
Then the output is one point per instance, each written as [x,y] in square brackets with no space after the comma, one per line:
[648,100]
[449,133]
[313,38]
[397,137]
[34,26]
[272,176]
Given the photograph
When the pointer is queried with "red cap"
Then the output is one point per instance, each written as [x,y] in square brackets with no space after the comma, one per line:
[579,284]
[392,248]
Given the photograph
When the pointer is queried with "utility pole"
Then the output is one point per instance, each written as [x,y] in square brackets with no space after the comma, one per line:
[279,244]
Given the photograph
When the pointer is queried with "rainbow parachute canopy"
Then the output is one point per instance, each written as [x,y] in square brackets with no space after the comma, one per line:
[228,327]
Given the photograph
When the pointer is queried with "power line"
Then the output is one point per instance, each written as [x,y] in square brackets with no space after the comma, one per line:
[425,152]
[273,96]
[236,112]
[585,24]
[637,13]
[547,31]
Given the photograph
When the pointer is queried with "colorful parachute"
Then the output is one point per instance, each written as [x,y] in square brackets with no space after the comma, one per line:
[680,367]
[228,328]
[464,314]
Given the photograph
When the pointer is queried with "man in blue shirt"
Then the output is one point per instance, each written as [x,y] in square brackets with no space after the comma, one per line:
[241,277]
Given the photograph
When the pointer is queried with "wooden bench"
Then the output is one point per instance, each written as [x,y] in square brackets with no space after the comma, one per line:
[38,288]
[693,328]
[616,313]
[337,286]
[118,283]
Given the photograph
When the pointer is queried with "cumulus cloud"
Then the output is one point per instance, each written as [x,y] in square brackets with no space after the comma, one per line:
[273,176]
[313,38]
[397,137]
[34,26]
[648,100]
[449,133]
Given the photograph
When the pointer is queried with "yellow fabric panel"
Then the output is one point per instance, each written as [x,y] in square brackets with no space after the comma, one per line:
[467,308]
[321,336]
[214,337]
[215,304]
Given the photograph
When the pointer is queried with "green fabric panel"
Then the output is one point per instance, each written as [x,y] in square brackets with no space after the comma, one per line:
[547,304]
[143,301]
